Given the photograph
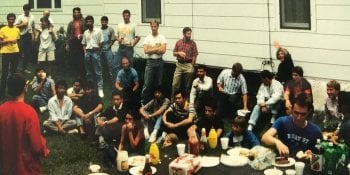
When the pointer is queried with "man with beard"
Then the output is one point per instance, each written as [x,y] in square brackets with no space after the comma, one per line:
[128,83]
[92,41]
[106,50]
[75,30]
[60,110]
[202,88]
[186,54]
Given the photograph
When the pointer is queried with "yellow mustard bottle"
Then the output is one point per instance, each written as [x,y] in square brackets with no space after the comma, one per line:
[154,154]
[212,138]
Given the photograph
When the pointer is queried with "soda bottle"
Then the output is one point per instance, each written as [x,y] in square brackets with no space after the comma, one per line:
[342,152]
[154,154]
[203,142]
[212,138]
[316,161]
[330,158]
[147,168]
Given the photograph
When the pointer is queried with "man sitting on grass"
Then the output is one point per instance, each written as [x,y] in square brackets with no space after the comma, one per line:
[86,109]
[60,110]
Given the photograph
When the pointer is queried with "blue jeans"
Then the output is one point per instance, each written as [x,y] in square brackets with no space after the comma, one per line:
[123,51]
[273,108]
[153,77]
[93,67]
[111,63]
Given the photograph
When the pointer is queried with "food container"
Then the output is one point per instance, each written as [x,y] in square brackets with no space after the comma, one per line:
[187,164]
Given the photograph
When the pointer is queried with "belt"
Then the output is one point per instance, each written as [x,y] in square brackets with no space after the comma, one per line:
[184,61]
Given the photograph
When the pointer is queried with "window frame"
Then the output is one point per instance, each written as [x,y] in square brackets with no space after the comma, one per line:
[145,19]
[35,5]
[312,23]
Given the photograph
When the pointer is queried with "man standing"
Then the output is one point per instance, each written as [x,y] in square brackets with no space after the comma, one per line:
[106,51]
[128,83]
[154,47]
[186,54]
[9,35]
[21,142]
[202,88]
[231,86]
[269,98]
[26,24]
[127,39]
[92,41]
[294,132]
[60,110]
[75,30]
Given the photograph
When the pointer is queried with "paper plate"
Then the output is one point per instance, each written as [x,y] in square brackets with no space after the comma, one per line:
[209,161]
[233,161]
[137,170]
[236,151]
[98,174]
[273,171]
[137,161]
[291,163]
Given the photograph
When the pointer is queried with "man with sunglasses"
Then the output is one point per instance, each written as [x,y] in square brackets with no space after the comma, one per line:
[294,132]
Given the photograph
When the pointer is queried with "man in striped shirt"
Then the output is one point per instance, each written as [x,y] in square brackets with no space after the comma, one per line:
[231,86]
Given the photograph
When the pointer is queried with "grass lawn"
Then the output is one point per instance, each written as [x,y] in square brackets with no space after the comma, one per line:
[69,154]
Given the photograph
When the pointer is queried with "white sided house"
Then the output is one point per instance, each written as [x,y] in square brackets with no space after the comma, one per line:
[316,32]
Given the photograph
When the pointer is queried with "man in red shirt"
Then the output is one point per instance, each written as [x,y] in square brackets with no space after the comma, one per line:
[21,143]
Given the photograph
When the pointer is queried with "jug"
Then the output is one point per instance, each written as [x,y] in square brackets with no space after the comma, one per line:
[122,161]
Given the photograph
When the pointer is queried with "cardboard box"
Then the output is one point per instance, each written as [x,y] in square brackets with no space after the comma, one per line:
[187,164]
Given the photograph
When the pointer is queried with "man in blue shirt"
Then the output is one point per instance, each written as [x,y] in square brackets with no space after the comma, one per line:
[294,132]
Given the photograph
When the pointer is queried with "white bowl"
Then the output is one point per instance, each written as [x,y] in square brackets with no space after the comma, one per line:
[95,168]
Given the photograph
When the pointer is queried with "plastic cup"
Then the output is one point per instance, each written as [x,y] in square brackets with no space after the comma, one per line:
[180,148]
[299,168]
[224,143]
[290,172]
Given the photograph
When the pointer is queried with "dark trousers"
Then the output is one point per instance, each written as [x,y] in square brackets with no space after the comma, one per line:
[228,105]
[9,63]
[181,131]
[26,48]
[76,57]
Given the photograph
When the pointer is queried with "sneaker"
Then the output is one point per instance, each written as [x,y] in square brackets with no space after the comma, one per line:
[102,145]
[73,131]
[250,127]
[100,93]
[42,109]
[161,138]
[27,71]
[153,137]
[145,132]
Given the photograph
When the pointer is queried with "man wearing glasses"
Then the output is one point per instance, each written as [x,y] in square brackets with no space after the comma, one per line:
[294,132]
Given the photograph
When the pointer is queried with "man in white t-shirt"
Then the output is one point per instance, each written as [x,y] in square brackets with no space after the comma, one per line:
[127,39]
[154,47]
[26,24]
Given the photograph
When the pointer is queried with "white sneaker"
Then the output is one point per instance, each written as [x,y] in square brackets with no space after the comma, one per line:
[162,137]
[73,131]
[145,132]
[42,109]
[250,127]
[153,136]
[100,93]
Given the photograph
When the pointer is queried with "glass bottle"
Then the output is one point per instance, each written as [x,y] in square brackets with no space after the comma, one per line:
[193,146]
[330,158]
[147,168]
[316,161]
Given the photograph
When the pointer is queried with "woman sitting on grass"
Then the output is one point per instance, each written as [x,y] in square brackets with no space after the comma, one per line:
[132,137]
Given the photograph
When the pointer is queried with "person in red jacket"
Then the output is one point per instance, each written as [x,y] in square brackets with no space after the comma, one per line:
[21,143]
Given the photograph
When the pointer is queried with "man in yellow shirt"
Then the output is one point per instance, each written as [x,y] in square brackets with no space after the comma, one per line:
[9,36]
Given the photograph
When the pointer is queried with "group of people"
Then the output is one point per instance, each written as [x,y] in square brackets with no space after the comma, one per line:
[133,117]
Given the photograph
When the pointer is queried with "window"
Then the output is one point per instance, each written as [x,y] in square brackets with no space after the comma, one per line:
[45,4]
[151,9]
[295,14]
